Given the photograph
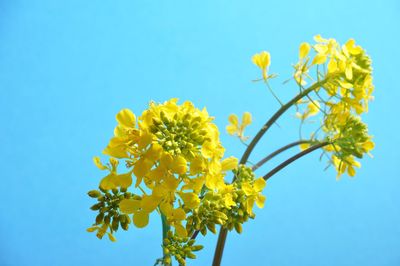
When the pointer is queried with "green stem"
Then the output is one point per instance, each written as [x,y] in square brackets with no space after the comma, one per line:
[294,158]
[275,117]
[223,232]
[275,153]
[165,229]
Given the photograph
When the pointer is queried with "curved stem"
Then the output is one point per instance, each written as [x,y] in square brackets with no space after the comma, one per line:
[223,232]
[294,158]
[275,117]
[278,151]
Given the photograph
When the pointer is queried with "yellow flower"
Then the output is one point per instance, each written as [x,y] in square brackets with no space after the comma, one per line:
[174,152]
[262,60]
[253,193]
[234,128]
[175,218]
[345,165]
[313,108]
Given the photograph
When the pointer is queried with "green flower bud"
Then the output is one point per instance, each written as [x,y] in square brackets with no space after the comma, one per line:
[191,256]
[94,193]
[107,219]
[197,248]
[115,223]
[97,206]
[238,228]
[99,218]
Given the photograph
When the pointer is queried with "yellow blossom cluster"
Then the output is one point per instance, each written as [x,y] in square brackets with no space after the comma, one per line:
[173,158]
[231,206]
[345,75]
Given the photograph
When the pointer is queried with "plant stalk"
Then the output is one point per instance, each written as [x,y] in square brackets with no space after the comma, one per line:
[294,158]
[165,229]
[275,153]
[223,232]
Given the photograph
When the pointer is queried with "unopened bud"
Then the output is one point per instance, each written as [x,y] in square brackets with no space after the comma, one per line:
[94,193]
[99,218]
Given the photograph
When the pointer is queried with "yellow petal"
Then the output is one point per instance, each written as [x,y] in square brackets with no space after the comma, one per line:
[208,149]
[351,171]
[231,129]
[262,60]
[304,50]
[250,203]
[229,163]
[154,153]
[140,219]
[259,184]
[197,165]
[368,145]
[246,119]
[260,200]
[98,163]
[142,167]
[171,182]
[179,214]
[126,118]
[109,182]
[349,72]
[149,203]
[129,205]
[228,200]
[345,84]
[166,209]
[332,66]
[233,119]
[116,148]
[179,165]
[247,189]
[156,174]
[144,140]
[190,199]
[180,230]
[319,59]
[166,160]
[124,180]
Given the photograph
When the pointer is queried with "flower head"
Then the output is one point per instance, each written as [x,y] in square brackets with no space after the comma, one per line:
[262,60]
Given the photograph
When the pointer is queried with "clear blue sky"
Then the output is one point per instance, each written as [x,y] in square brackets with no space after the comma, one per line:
[67,67]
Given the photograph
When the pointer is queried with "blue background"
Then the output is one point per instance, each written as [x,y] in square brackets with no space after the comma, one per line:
[67,67]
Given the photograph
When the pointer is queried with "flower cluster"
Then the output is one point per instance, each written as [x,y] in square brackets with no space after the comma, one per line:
[178,247]
[174,162]
[170,160]
[109,218]
[345,76]
[231,206]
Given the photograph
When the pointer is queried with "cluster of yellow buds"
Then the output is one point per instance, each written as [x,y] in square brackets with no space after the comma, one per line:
[344,74]
[178,247]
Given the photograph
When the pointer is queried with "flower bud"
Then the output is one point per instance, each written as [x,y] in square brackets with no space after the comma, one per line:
[94,193]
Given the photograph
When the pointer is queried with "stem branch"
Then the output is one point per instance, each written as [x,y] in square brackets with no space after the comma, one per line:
[223,232]
[294,158]
[275,153]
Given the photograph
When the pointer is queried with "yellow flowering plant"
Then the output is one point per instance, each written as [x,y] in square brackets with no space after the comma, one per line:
[174,163]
